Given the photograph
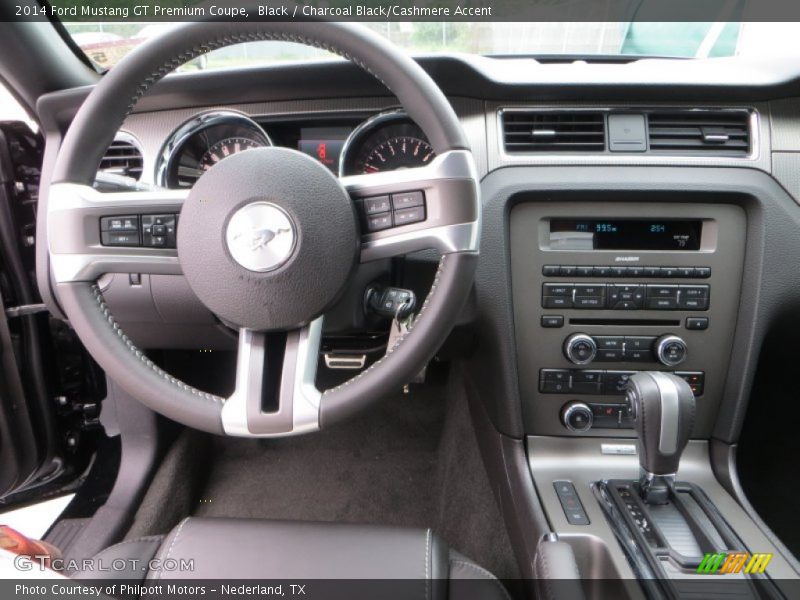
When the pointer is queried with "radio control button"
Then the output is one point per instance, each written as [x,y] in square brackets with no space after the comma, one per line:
[697,323]
[694,291]
[601,271]
[550,270]
[652,271]
[671,350]
[702,272]
[662,303]
[639,342]
[566,270]
[687,272]
[583,271]
[610,355]
[556,302]
[669,272]
[557,289]
[608,342]
[552,321]
[580,348]
[589,291]
[693,303]
[662,291]
[590,302]
[619,271]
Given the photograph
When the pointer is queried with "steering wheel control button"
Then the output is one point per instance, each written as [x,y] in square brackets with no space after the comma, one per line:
[112,238]
[408,200]
[377,205]
[379,222]
[384,212]
[580,348]
[126,223]
[577,417]
[158,231]
[267,239]
[260,236]
[407,216]
[120,230]
[671,350]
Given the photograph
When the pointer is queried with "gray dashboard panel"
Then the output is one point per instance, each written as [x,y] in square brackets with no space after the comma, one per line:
[770,283]
[724,233]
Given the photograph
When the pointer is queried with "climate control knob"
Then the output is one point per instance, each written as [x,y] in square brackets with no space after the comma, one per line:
[580,348]
[577,417]
[671,350]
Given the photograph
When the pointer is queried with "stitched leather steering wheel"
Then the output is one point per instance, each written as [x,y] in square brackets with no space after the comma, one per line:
[295,219]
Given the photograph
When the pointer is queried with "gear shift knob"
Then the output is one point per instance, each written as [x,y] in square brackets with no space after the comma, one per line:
[663,410]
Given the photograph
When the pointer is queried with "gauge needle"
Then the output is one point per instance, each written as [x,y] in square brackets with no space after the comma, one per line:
[189,172]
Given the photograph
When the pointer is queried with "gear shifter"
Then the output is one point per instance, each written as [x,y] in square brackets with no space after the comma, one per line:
[663,409]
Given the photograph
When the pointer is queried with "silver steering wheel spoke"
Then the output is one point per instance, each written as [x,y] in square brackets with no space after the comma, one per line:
[297,407]
[449,185]
[77,251]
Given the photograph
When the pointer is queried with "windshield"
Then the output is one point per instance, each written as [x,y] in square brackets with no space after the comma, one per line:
[106,43]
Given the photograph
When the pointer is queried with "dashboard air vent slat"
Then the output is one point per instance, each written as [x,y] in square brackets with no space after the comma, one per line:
[123,158]
[725,133]
[553,131]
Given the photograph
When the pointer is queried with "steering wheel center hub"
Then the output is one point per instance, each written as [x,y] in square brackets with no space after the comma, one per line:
[260,236]
[267,239]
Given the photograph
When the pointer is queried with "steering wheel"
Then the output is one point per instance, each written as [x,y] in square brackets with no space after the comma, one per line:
[267,239]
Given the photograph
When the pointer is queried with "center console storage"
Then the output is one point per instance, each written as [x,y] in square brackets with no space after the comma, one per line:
[603,290]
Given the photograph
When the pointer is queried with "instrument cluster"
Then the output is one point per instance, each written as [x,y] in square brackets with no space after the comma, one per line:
[346,145]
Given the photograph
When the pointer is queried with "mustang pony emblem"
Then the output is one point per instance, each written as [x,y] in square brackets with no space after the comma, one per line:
[259,238]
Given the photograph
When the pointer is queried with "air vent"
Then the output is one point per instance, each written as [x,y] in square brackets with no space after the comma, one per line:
[553,131]
[724,133]
[124,158]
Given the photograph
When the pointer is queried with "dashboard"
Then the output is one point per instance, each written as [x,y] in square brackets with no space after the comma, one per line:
[346,145]
[668,214]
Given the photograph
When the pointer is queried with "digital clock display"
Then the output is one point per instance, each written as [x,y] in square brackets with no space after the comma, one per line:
[625,234]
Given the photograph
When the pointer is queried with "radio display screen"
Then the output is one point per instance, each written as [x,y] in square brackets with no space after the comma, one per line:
[625,234]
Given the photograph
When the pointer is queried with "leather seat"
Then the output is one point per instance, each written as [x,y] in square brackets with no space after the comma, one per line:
[416,561]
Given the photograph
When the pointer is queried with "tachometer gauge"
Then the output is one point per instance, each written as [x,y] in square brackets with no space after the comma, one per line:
[204,141]
[386,142]
[396,153]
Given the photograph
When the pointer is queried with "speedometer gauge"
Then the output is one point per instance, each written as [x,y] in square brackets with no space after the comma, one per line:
[224,149]
[204,141]
[387,142]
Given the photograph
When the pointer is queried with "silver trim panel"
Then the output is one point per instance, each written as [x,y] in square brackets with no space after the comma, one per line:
[298,410]
[758,158]
[581,461]
[453,218]
[76,253]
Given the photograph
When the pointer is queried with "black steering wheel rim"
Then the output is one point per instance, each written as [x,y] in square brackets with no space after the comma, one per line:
[103,113]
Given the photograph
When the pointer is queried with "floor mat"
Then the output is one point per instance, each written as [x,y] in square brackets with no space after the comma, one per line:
[411,462]
[375,469]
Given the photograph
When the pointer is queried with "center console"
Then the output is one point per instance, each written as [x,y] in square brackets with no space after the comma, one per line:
[605,290]
[624,316]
